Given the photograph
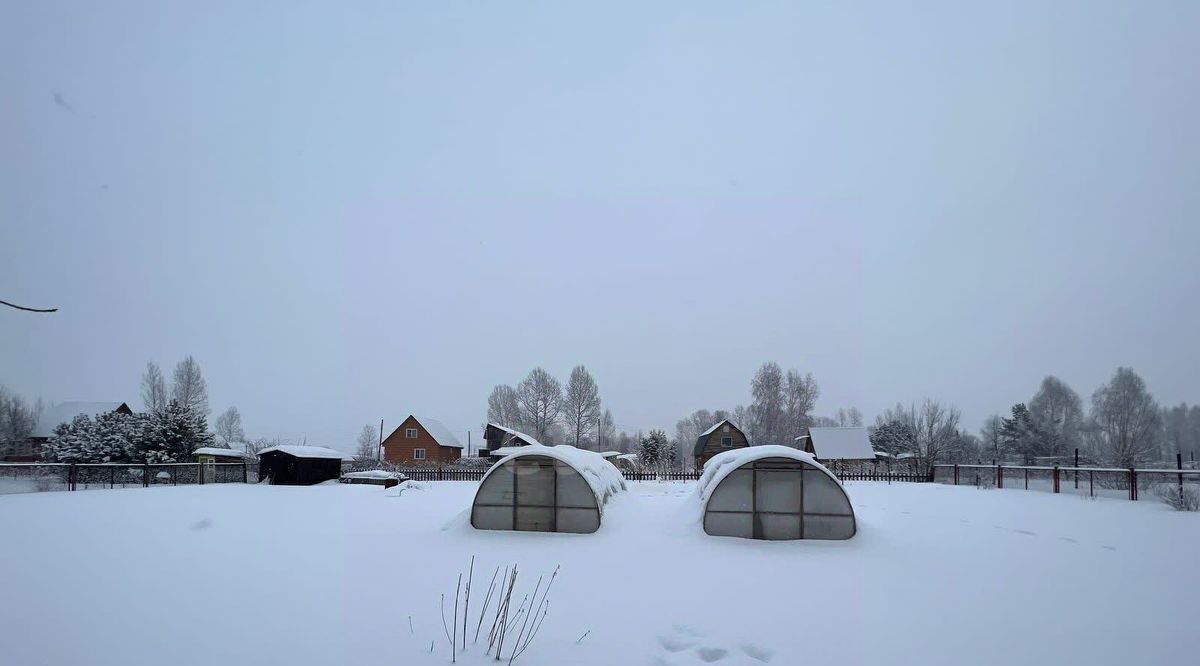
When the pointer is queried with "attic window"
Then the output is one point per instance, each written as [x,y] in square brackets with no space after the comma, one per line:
[727,442]
[725,428]
[410,433]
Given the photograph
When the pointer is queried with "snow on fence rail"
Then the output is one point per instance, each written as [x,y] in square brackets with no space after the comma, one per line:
[1092,481]
[42,477]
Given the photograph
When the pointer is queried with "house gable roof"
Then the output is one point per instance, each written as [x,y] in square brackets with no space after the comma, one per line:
[440,433]
[65,412]
[702,440]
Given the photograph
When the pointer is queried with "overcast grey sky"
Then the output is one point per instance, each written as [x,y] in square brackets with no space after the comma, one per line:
[349,211]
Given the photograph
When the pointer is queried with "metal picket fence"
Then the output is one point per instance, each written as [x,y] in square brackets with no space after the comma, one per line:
[1090,481]
[43,477]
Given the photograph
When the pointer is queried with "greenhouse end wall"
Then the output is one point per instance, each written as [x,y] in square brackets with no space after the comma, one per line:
[535,494]
[778,499]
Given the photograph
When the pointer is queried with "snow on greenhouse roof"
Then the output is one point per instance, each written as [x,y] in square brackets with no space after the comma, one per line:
[604,479]
[841,443]
[65,412]
[721,465]
[307,451]
[609,454]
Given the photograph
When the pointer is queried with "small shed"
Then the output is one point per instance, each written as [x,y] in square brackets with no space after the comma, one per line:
[775,493]
[545,489]
[721,436]
[501,437]
[295,465]
[215,454]
[849,444]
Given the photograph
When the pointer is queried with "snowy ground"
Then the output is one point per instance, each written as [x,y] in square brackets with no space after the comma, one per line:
[234,574]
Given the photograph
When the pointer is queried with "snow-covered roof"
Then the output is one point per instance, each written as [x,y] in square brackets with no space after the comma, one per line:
[506,451]
[712,428]
[64,412]
[629,456]
[374,474]
[217,451]
[601,475]
[702,438]
[721,465]
[516,433]
[300,451]
[841,443]
[609,454]
[439,432]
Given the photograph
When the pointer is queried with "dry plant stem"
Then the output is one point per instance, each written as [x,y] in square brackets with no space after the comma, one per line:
[467,602]
[454,630]
[486,600]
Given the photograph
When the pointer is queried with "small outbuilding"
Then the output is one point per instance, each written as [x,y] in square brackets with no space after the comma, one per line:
[773,492]
[295,465]
[721,436]
[501,437]
[215,454]
[546,489]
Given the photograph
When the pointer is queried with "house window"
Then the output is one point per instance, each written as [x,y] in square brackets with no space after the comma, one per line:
[411,433]
[418,454]
[727,442]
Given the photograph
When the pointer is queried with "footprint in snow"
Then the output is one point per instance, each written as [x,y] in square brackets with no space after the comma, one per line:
[1109,548]
[1026,532]
[685,645]
[1067,539]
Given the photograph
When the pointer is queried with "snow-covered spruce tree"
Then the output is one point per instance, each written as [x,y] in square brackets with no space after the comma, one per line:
[70,442]
[655,452]
[171,434]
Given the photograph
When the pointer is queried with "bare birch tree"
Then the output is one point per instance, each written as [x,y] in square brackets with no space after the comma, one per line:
[581,403]
[1124,420]
[154,388]
[367,443]
[228,426]
[189,388]
[540,398]
[504,407]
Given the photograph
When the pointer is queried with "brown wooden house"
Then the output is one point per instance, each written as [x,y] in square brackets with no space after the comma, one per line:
[722,436]
[421,440]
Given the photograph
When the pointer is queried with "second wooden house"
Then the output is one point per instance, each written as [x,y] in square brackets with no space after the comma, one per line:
[420,440]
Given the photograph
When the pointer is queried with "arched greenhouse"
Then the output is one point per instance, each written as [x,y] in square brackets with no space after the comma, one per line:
[776,493]
[546,489]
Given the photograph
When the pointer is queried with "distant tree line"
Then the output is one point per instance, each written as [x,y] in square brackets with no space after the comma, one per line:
[1123,426]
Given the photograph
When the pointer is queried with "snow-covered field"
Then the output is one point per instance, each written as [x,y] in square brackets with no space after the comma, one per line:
[332,574]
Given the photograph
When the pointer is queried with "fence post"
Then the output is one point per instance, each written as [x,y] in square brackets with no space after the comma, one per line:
[999,476]
[112,478]
[1076,468]
[1091,483]
[956,474]
[245,477]
[1132,485]
[1056,479]
[1027,479]
[71,477]
[1179,466]
[145,475]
